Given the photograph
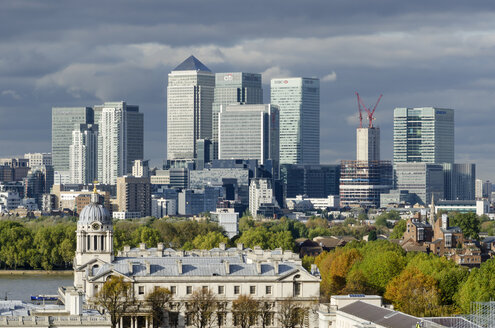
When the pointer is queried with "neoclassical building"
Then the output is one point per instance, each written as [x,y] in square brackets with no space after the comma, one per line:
[271,276]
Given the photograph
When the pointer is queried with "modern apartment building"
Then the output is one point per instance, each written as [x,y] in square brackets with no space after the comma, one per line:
[299,102]
[134,195]
[83,154]
[190,93]
[424,134]
[64,121]
[233,88]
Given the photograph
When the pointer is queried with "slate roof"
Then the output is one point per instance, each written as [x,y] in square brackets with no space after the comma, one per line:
[379,315]
[191,64]
[192,266]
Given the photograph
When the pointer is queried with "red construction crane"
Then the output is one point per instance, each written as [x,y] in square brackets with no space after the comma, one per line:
[370,112]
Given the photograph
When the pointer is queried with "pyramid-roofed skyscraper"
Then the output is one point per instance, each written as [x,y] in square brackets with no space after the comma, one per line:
[190,93]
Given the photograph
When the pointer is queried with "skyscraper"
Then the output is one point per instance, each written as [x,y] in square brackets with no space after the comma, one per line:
[190,94]
[299,103]
[84,154]
[368,144]
[64,121]
[233,88]
[424,134]
[459,181]
[249,132]
[120,139]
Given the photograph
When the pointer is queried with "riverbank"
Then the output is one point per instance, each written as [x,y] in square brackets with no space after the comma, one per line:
[35,272]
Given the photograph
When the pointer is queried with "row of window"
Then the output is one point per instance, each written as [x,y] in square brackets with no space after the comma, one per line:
[220,290]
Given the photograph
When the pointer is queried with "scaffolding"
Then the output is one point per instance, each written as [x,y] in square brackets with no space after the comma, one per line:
[482,316]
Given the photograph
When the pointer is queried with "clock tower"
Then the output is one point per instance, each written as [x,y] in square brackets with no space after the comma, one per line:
[94,238]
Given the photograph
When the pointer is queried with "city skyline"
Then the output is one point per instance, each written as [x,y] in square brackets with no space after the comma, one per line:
[416,55]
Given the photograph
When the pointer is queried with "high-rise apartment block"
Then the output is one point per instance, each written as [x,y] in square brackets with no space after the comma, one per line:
[261,193]
[249,132]
[64,121]
[190,93]
[299,102]
[134,195]
[483,189]
[83,154]
[368,144]
[424,134]
[233,88]
[120,137]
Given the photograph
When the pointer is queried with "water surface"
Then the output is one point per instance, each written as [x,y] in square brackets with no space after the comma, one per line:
[21,287]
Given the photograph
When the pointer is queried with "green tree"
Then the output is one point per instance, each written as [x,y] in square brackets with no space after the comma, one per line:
[245,223]
[372,235]
[115,297]
[258,236]
[211,240]
[468,222]
[282,239]
[319,231]
[399,229]
[479,286]
[449,275]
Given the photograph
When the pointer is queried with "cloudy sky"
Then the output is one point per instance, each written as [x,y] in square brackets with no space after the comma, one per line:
[416,53]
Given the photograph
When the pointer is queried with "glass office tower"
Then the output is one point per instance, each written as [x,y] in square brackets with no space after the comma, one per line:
[299,102]
[233,88]
[190,93]
[64,121]
[424,134]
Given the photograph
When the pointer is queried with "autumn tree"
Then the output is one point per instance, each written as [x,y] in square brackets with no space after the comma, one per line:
[245,311]
[291,314]
[115,297]
[399,229]
[201,308]
[158,301]
[414,293]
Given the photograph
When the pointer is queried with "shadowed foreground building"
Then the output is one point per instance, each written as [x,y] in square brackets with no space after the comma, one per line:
[271,276]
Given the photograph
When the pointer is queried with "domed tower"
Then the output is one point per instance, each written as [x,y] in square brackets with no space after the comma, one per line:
[94,234]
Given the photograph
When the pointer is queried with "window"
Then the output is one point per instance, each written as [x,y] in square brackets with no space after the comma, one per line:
[252,290]
[237,290]
[297,288]
[141,290]
[268,290]
[221,290]
[173,289]
[189,290]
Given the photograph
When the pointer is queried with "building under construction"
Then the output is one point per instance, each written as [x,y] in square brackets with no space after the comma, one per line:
[362,182]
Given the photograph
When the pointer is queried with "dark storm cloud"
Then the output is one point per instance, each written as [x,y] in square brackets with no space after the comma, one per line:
[417,53]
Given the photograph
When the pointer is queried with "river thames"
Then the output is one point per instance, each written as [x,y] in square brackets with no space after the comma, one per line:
[21,287]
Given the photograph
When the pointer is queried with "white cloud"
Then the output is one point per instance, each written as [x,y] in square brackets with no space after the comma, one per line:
[274,72]
[332,77]
[11,93]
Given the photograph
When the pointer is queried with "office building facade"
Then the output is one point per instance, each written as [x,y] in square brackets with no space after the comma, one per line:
[83,154]
[190,93]
[233,88]
[38,159]
[249,132]
[425,180]
[459,181]
[64,121]
[314,181]
[424,134]
[298,100]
